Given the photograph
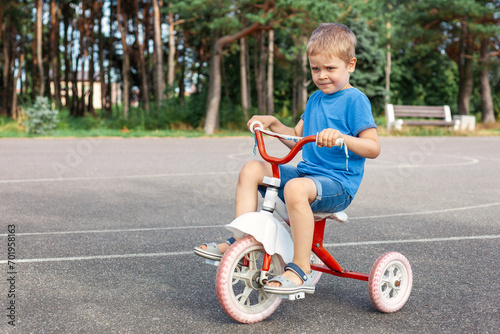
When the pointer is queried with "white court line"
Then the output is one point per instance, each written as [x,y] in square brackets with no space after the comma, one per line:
[469,161]
[112,231]
[96,257]
[386,242]
[60,179]
[346,244]
[393,164]
[480,206]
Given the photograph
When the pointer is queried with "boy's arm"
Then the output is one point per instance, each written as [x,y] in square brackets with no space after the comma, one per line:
[275,125]
[365,145]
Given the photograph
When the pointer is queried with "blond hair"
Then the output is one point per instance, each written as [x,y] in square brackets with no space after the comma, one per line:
[332,39]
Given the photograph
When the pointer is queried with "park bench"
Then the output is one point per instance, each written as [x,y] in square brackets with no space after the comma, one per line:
[399,115]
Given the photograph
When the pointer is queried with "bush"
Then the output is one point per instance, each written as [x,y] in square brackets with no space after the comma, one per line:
[41,118]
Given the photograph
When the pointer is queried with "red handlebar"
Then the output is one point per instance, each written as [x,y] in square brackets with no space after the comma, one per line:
[286,159]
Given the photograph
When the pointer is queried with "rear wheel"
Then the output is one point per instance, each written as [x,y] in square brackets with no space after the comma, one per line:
[390,282]
[239,289]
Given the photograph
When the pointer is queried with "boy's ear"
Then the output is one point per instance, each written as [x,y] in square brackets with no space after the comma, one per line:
[352,65]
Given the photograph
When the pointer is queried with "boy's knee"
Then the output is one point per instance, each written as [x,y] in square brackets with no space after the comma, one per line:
[299,190]
[249,167]
[252,169]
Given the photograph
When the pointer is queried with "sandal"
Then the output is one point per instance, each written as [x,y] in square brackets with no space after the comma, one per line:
[288,287]
[212,252]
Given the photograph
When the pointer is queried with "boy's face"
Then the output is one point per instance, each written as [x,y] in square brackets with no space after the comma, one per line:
[331,74]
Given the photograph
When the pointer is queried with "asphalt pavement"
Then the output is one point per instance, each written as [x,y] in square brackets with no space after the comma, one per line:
[101,232]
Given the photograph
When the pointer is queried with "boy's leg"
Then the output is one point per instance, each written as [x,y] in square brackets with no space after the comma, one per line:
[251,176]
[246,200]
[299,194]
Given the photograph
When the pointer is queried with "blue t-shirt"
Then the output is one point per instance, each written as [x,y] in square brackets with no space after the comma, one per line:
[348,111]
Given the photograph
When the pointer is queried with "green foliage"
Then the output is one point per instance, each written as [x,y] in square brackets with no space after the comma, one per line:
[42,119]
[431,41]
[425,44]
[423,78]
[369,75]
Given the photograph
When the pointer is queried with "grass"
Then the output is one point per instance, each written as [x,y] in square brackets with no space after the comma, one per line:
[89,127]
[10,128]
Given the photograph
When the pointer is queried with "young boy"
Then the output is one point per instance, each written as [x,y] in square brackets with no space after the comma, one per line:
[321,182]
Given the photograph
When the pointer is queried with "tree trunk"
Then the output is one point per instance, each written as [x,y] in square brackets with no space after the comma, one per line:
[488,113]
[54,52]
[261,86]
[126,83]
[158,55]
[270,74]
[243,76]
[67,63]
[249,79]
[1,20]
[82,109]
[182,85]
[102,70]
[302,82]
[14,112]
[3,111]
[91,79]
[171,53]
[39,57]
[111,46]
[388,64]
[142,65]
[214,89]
[6,97]
[465,64]
[91,45]
[224,78]
[74,88]
[123,26]
[83,30]
[294,98]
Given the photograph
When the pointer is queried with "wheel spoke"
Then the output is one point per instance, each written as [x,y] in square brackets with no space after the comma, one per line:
[252,259]
[384,280]
[387,293]
[244,297]
[237,275]
[240,276]
[392,274]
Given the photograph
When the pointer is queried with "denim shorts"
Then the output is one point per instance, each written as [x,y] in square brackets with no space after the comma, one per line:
[332,197]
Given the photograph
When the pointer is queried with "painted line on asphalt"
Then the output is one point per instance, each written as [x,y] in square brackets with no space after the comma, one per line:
[393,164]
[468,161]
[116,177]
[407,241]
[97,257]
[112,231]
[431,212]
[345,244]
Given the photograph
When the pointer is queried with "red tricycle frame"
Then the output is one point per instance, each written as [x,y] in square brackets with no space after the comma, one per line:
[331,266]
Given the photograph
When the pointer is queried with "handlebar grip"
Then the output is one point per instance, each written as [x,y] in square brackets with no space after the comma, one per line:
[339,142]
[254,124]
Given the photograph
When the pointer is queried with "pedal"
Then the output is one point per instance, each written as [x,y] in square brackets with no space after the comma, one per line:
[212,262]
[293,296]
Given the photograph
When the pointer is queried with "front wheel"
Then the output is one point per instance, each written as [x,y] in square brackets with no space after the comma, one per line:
[390,282]
[238,288]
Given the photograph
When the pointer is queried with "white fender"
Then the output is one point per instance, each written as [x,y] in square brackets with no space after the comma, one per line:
[267,230]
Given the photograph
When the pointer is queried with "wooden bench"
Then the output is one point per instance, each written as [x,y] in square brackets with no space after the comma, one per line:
[399,115]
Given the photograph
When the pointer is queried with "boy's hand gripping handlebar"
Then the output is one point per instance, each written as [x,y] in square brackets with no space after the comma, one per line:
[257,128]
